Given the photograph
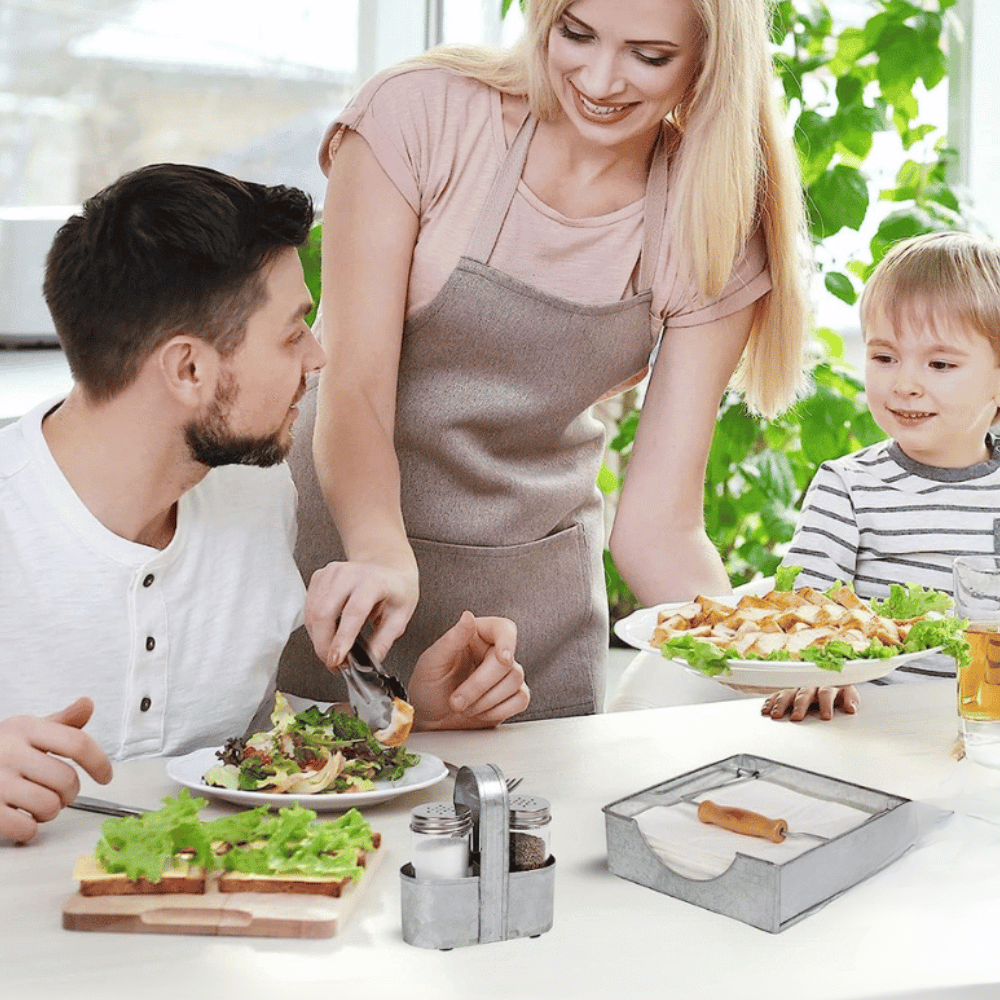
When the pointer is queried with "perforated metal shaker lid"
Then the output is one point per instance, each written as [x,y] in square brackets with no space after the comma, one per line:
[528,812]
[440,817]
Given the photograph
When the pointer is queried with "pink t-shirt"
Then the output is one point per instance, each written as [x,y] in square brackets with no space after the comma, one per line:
[440,139]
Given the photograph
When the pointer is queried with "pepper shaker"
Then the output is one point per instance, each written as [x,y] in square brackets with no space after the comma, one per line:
[530,832]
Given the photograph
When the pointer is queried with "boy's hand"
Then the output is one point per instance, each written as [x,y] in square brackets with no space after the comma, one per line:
[34,783]
[796,702]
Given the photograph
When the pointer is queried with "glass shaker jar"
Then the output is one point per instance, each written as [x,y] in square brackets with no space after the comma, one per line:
[530,832]
[439,840]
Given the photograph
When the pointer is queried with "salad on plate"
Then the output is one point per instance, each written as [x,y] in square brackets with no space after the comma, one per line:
[307,753]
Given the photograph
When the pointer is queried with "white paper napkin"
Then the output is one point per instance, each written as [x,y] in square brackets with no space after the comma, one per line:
[697,850]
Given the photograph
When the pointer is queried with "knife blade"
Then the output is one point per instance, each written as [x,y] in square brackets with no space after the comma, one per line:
[86,803]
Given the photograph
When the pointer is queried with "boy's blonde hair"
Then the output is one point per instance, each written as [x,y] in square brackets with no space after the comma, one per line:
[732,170]
[946,279]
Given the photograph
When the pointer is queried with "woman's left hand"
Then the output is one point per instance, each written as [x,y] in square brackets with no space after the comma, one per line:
[469,678]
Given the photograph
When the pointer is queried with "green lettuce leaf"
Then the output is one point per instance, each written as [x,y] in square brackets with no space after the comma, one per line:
[144,846]
[784,577]
[946,632]
[290,843]
[913,601]
[703,656]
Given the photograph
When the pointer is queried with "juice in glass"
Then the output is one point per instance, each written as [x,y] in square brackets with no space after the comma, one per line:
[979,683]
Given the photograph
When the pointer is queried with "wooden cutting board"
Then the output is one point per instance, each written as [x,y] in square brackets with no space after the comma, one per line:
[231,914]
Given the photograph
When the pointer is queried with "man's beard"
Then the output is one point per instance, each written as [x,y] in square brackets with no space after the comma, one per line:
[212,443]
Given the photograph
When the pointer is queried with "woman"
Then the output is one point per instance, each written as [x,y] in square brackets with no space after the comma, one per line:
[505,234]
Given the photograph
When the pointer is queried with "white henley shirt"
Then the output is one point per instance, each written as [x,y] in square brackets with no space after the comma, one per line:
[177,647]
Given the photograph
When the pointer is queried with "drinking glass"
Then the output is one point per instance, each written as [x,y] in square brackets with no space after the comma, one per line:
[977,598]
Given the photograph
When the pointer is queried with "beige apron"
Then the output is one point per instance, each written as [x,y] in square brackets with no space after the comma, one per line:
[499,454]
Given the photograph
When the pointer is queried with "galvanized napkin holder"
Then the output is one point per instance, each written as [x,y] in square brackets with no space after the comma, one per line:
[492,903]
[769,895]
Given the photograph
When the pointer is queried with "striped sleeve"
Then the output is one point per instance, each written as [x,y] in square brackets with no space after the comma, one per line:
[825,543]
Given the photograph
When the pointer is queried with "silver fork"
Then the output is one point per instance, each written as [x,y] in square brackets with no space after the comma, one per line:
[512,783]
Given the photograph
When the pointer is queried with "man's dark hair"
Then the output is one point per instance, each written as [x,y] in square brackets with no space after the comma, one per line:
[166,249]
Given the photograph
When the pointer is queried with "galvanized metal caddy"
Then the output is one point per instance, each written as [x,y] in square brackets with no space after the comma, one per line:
[762,893]
[493,903]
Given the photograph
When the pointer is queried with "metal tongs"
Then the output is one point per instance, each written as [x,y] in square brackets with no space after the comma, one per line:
[370,687]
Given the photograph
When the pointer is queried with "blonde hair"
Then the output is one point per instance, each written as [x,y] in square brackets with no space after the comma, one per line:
[732,171]
[944,278]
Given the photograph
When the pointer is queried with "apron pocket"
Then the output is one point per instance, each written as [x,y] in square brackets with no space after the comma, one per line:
[551,588]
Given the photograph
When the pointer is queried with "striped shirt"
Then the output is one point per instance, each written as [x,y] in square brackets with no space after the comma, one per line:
[877,517]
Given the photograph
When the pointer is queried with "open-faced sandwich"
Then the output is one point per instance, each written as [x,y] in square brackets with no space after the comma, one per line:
[171,850]
[827,628]
[309,753]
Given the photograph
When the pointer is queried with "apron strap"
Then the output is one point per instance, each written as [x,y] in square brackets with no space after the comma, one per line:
[501,196]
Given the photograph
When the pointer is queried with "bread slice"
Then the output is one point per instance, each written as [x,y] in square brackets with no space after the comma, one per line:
[294,884]
[177,878]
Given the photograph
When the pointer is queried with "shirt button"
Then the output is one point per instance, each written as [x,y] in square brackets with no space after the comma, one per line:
[148,582]
[144,705]
[150,643]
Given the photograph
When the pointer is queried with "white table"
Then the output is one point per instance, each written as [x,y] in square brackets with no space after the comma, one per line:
[925,923]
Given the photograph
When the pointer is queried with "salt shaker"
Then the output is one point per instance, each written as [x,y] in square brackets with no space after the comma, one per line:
[530,832]
[439,835]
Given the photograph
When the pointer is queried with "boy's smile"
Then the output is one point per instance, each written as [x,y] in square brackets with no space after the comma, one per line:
[934,388]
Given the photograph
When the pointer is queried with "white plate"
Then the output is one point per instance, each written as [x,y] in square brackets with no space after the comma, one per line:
[769,675]
[773,675]
[188,771]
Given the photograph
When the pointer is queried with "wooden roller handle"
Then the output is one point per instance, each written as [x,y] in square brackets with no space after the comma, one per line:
[743,821]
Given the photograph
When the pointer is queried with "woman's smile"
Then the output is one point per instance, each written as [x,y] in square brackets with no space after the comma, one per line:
[601,112]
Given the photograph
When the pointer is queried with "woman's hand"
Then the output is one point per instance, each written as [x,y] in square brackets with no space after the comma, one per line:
[469,678]
[342,596]
[796,702]
[34,783]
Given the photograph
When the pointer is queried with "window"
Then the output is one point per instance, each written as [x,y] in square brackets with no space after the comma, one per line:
[90,89]
[93,88]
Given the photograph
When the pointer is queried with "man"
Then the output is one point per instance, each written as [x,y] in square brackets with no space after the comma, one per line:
[147,520]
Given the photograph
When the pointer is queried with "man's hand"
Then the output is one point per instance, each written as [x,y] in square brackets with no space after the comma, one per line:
[469,678]
[34,784]
[797,702]
[342,596]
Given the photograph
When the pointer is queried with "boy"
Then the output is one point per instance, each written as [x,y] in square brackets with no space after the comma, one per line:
[902,510]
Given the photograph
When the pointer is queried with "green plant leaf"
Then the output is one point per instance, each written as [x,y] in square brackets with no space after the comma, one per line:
[840,285]
[309,255]
[838,200]
[607,481]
